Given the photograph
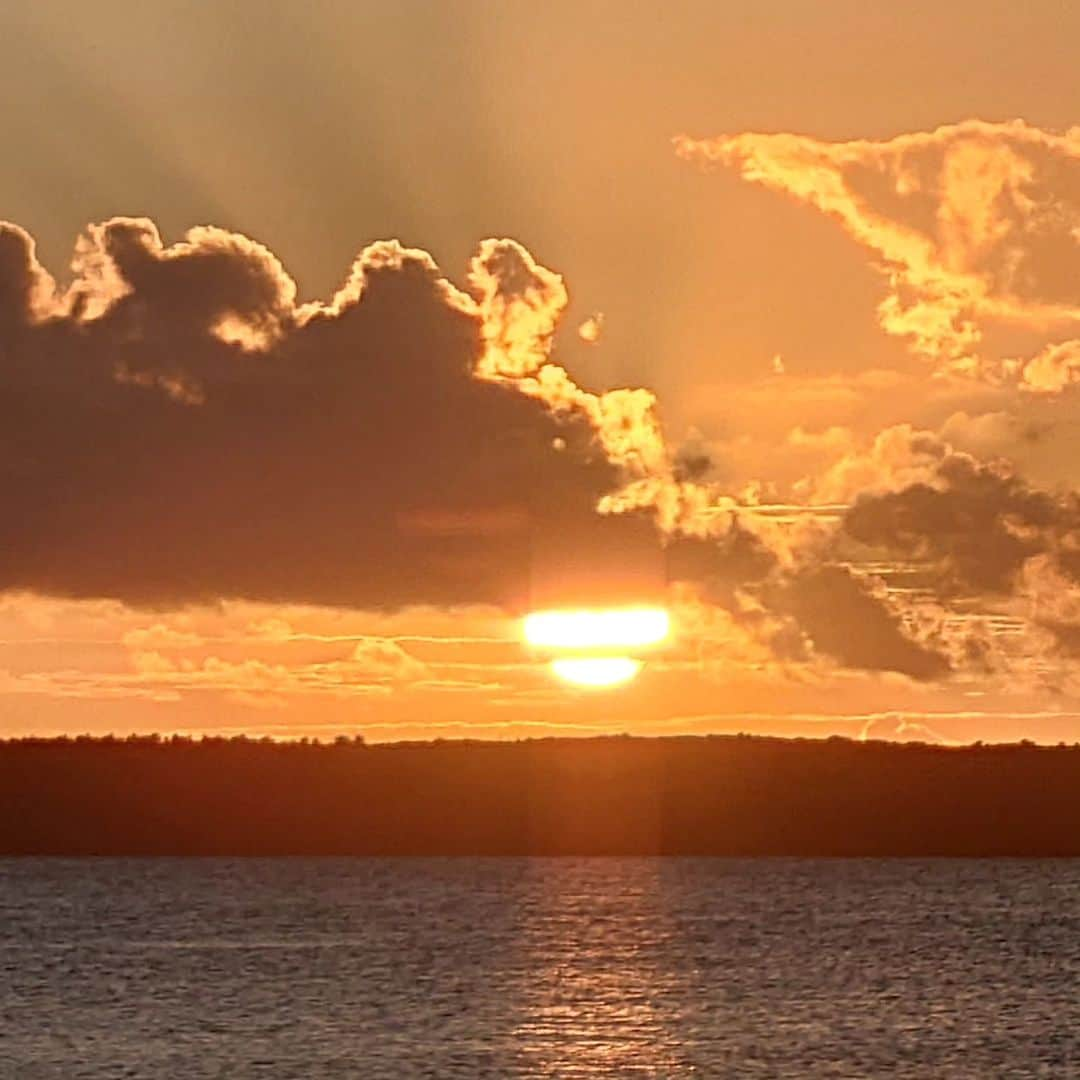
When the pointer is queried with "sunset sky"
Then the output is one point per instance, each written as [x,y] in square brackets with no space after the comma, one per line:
[333,343]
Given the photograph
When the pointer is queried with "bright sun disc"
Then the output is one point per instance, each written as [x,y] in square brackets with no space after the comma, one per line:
[613,628]
[595,671]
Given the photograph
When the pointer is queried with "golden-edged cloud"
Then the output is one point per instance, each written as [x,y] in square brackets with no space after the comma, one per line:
[177,426]
[180,428]
[974,225]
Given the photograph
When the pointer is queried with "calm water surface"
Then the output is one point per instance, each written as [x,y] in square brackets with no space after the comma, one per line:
[473,968]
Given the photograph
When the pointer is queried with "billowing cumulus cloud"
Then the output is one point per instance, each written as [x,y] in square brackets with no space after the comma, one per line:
[976,227]
[179,427]
[176,426]
[898,457]
[812,609]
[954,492]
[975,524]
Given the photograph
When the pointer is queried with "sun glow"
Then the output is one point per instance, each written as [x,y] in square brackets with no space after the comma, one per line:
[589,646]
[612,628]
[596,671]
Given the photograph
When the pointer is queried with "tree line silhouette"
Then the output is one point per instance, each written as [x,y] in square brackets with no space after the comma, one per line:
[712,795]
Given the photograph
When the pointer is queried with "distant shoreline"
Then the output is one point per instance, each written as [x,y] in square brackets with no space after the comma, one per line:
[735,795]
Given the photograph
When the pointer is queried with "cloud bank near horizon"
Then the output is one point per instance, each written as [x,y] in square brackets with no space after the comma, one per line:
[179,428]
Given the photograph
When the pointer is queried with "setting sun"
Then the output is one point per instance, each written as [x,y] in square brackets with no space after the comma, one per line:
[596,671]
[590,644]
[563,519]
[614,628]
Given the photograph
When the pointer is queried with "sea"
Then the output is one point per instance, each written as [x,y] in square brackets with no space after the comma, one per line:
[531,967]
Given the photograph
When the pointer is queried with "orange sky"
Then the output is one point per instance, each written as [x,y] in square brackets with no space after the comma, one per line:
[831,296]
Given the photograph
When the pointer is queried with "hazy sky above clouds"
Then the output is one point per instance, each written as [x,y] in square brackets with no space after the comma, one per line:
[277,485]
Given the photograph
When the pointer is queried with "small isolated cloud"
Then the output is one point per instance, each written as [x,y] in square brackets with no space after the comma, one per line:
[379,659]
[898,457]
[591,329]
[896,727]
[1054,368]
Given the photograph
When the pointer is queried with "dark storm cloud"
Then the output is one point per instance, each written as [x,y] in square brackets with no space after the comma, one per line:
[721,564]
[176,427]
[796,611]
[977,522]
[845,621]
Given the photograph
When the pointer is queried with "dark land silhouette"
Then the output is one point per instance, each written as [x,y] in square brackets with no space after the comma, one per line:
[720,795]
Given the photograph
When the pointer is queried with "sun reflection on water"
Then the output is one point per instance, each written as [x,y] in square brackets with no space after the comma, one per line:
[600,1000]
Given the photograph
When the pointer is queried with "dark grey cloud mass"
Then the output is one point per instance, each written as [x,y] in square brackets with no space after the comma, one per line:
[174,427]
[976,523]
[845,621]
